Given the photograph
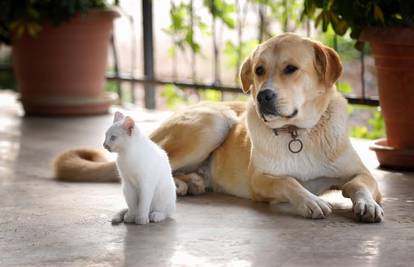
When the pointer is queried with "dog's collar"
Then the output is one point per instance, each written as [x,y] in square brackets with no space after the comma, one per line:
[295,145]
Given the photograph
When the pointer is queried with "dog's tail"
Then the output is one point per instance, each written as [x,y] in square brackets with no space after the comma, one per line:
[85,165]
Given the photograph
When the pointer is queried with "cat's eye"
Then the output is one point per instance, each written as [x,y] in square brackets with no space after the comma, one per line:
[112,138]
[289,69]
[259,71]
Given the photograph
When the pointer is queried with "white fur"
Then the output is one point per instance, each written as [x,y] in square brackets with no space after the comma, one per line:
[148,185]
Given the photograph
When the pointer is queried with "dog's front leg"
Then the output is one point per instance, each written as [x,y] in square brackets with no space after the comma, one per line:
[365,196]
[288,189]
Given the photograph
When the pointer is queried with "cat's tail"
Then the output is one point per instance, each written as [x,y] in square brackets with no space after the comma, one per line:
[119,217]
[85,165]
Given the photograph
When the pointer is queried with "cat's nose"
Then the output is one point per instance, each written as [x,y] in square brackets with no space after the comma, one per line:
[106,147]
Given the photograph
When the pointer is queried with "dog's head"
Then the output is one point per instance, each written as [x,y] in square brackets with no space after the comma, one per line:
[291,80]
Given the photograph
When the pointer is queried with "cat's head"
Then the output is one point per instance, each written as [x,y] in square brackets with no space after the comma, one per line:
[116,137]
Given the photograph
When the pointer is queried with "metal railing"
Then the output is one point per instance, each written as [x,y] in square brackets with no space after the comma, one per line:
[149,79]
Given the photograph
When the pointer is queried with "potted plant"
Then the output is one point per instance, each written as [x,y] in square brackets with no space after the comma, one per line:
[59,53]
[388,26]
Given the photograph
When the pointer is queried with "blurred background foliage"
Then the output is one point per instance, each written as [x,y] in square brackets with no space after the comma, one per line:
[193,22]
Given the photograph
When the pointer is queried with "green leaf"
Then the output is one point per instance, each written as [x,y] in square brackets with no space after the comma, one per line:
[318,19]
[344,88]
[173,96]
[340,26]
[325,21]
[378,15]
[211,95]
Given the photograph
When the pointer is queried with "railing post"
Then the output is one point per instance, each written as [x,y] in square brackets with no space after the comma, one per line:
[148,53]
[116,69]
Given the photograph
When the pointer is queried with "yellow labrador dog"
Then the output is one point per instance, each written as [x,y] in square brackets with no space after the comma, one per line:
[288,143]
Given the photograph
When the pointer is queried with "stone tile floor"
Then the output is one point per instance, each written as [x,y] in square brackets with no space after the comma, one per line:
[44,222]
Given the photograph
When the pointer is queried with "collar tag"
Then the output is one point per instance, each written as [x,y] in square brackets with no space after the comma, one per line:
[295,145]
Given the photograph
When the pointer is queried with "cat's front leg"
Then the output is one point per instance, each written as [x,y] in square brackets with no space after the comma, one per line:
[146,193]
[131,198]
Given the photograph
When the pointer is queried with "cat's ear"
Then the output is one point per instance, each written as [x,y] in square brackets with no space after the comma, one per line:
[118,116]
[128,124]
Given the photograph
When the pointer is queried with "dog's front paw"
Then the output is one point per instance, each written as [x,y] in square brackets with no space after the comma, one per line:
[314,207]
[367,210]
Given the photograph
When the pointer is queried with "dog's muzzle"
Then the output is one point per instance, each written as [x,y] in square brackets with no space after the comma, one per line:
[267,102]
[267,105]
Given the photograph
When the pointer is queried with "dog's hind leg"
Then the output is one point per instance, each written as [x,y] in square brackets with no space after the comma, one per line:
[189,137]
[181,187]
[194,181]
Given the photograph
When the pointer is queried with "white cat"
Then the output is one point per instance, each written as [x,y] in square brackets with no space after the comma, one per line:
[148,185]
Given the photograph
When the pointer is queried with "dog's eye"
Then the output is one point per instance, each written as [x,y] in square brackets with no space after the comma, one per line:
[259,71]
[290,69]
[112,138]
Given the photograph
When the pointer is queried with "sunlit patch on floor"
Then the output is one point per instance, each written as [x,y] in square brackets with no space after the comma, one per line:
[338,202]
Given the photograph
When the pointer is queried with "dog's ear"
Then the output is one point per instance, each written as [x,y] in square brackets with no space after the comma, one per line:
[246,75]
[327,64]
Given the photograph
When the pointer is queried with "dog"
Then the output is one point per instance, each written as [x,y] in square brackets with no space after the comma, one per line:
[288,143]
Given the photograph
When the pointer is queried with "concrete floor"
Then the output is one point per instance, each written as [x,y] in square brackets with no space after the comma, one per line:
[48,223]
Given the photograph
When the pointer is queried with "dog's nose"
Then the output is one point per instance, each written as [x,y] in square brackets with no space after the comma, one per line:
[267,102]
[266,97]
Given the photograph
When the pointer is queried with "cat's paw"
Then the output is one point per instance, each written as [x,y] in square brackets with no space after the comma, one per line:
[129,217]
[157,216]
[119,217]
[141,219]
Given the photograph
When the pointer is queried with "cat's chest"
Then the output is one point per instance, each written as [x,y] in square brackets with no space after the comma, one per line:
[130,169]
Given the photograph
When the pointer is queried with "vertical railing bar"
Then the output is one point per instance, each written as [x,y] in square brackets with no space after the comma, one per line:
[174,56]
[215,48]
[193,55]
[116,68]
[286,17]
[241,19]
[148,53]
[308,28]
[239,39]
[261,22]
[362,59]
[133,57]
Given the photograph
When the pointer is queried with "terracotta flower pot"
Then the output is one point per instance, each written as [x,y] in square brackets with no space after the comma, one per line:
[393,50]
[391,157]
[62,70]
